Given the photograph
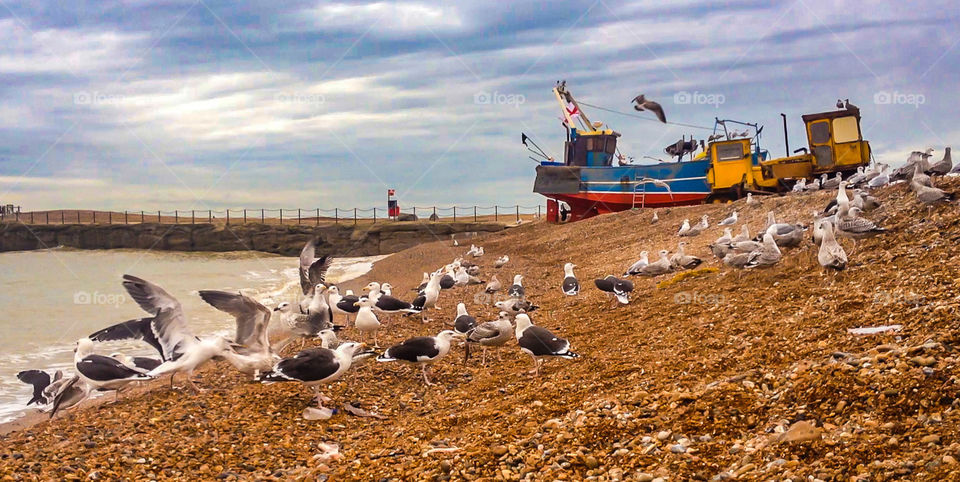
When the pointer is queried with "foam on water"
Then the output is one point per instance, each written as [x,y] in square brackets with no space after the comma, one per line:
[43,317]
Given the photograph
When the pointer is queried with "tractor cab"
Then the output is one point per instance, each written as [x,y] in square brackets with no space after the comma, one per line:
[835,141]
[591,148]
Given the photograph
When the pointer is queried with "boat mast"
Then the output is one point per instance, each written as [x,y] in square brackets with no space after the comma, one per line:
[562,94]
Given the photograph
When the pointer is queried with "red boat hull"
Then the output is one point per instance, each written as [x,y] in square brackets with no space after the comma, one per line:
[588,204]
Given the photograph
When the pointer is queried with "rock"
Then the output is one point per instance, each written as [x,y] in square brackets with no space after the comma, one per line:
[499,450]
[802,431]
[949,460]
[678,449]
[591,462]
[930,439]
[663,435]
[446,466]
[643,477]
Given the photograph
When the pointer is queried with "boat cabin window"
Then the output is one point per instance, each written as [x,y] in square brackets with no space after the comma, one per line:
[730,152]
[820,132]
[845,129]
[591,150]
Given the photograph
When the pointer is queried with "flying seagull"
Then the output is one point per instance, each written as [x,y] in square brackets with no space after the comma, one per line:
[641,104]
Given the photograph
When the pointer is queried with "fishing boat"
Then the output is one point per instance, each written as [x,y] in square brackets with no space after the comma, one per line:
[592,179]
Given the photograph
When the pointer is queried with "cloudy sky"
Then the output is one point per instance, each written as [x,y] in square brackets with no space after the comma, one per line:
[202,104]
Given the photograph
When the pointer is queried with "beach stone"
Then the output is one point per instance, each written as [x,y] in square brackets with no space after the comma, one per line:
[932,438]
[643,477]
[802,431]
[591,462]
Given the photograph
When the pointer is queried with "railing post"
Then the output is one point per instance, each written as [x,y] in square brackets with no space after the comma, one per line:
[336,215]
[141,217]
[414,212]
[109,217]
[435,213]
[61,217]
[518,212]
[228,216]
[125,217]
[496,213]
[159,219]
[94,217]
[193,216]
[375,215]
[298,216]
[454,213]
[281,216]
[474,213]
[176,216]
[31,217]
[261,217]
[244,215]
[47,217]
[210,216]
[354,216]
[318,216]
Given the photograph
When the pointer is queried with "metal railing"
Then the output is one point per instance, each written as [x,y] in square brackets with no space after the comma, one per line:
[282,216]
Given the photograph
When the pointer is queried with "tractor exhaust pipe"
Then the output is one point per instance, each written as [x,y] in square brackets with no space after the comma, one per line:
[786,140]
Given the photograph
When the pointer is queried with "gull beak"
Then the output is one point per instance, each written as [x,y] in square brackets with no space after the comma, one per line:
[276,309]
[460,335]
[357,303]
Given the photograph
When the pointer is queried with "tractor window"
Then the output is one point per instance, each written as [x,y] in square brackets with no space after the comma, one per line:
[820,132]
[730,152]
[845,129]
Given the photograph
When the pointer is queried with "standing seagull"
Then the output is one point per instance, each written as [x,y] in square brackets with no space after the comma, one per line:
[659,266]
[620,288]
[295,324]
[428,298]
[493,286]
[638,265]
[831,254]
[516,289]
[768,256]
[641,104]
[315,367]
[366,321]
[539,342]
[654,219]
[421,350]
[385,303]
[492,333]
[570,285]
[345,304]
[103,372]
[729,221]
[463,324]
[253,356]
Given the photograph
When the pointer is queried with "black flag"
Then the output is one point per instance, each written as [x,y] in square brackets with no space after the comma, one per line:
[523,138]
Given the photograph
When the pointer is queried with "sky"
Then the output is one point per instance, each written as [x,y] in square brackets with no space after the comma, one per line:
[203,104]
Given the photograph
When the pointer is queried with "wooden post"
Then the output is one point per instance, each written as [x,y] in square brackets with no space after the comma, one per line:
[261,217]
[336,215]
[94,217]
[228,216]
[496,213]
[518,212]
[318,216]
[141,217]
[244,215]
[61,217]
[31,217]
[414,212]
[193,218]
[159,219]
[125,217]
[210,216]
[176,216]
[435,212]
[375,215]
[354,216]
[281,216]
[474,213]
[454,214]
[298,216]
[109,217]
[47,217]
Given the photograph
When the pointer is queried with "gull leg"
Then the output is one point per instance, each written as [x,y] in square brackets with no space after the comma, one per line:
[193,384]
[171,380]
[424,371]
[376,342]
[484,357]
[499,354]
[303,341]
[536,366]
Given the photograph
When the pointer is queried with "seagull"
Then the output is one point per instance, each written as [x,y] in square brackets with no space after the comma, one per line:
[919,177]
[295,324]
[312,271]
[428,298]
[682,260]
[366,321]
[813,185]
[831,254]
[386,289]
[738,259]
[421,350]
[464,278]
[655,218]
[857,177]
[328,339]
[40,380]
[539,342]
[864,201]
[768,256]
[659,266]
[58,392]
[743,236]
[344,305]
[421,286]
[800,185]
[516,289]
[839,104]
[143,363]
[253,355]
[570,285]
[315,367]
[729,221]
[881,179]
[620,288]
[102,372]
[513,306]
[696,229]
[818,226]
[463,323]
[830,183]
[492,333]
[784,234]
[385,303]
[493,286]
[501,261]
[447,281]
[752,201]
[641,104]
[928,194]
[855,227]
[684,228]
[166,331]
[638,265]
[721,246]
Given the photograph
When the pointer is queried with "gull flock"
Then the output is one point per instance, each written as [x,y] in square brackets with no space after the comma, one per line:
[311,317]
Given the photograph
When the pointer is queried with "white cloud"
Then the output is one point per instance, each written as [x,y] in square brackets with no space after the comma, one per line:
[386,19]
